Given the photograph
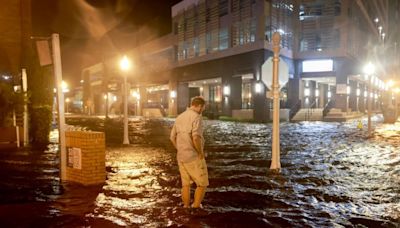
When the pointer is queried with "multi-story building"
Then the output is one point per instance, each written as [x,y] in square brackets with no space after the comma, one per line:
[218,47]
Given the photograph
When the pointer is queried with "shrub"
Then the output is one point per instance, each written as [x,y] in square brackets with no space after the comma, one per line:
[40,124]
[9,102]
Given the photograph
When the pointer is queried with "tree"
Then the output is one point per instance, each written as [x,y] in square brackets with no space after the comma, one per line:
[9,102]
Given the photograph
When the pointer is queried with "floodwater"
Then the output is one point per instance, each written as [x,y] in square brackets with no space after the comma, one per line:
[332,176]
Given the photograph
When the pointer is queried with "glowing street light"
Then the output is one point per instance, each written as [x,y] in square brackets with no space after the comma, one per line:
[125,66]
[369,70]
[67,100]
[64,87]
[390,83]
[258,88]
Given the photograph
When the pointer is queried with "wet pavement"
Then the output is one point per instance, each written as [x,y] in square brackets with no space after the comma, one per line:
[332,176]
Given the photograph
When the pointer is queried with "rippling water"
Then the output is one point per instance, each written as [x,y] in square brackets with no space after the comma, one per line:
[332,175]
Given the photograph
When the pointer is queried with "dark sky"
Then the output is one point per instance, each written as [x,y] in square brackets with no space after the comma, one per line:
[94,29]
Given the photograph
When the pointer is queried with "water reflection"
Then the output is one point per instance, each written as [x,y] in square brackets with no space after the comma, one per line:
[332,175]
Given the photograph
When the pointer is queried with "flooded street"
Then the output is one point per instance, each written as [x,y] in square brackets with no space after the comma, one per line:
[331,176]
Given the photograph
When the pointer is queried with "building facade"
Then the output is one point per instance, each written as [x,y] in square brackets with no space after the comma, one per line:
[217,49]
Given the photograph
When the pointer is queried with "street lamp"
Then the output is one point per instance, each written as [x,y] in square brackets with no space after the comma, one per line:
[369,70]
[125,65]
[396,92]
[67,100]
[64,87]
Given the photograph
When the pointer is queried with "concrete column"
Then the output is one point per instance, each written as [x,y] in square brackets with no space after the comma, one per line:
[294,91]
[261,105]
[260,21]
[317,98]
[143,100]
[340,96]
[362,99]
[172,102]
[182,98]
[227,98]
[353,96]
[344,68]
[323,90]
[301,93]
[236,93]
[312,86]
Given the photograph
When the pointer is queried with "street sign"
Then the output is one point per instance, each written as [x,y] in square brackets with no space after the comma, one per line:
[43,50]
[266,73]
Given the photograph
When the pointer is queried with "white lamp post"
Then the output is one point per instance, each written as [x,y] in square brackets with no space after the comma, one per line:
[369,70]
[125,65]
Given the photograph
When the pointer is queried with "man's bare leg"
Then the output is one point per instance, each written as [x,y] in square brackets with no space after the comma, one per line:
[185,192]
[198,196]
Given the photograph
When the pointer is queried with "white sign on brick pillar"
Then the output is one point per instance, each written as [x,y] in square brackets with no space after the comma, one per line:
[75,158]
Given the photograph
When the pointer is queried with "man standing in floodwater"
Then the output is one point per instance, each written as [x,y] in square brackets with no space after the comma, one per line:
[187,137]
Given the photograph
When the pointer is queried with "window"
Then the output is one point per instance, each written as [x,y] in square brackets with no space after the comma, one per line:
[208,43]
[223,7]
[223,38]
[212,41]
[244,22]
[215,94]
[247,82]
[317,19]
[196,46]
[246,95]
[279,18]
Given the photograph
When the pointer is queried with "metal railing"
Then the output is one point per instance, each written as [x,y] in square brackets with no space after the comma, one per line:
[294,109]
[328,107]
[310,111]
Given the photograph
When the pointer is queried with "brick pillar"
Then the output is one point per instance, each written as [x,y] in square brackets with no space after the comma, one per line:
[85,157]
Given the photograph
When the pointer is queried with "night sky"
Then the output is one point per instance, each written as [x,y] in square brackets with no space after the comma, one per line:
[94,29]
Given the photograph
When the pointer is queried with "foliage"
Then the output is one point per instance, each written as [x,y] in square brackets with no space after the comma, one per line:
[113,128]
[9,102]
[228,118]
[40,86]
[40,124]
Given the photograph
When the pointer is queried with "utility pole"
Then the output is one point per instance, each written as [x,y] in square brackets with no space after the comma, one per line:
[26,122]
[275,160]
[55,41]
[369,106]
[126,131]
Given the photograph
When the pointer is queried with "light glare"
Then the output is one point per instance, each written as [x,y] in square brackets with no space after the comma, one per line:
[125,64]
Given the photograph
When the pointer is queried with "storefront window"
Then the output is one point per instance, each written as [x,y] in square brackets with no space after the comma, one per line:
[246,95]
[215,97]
